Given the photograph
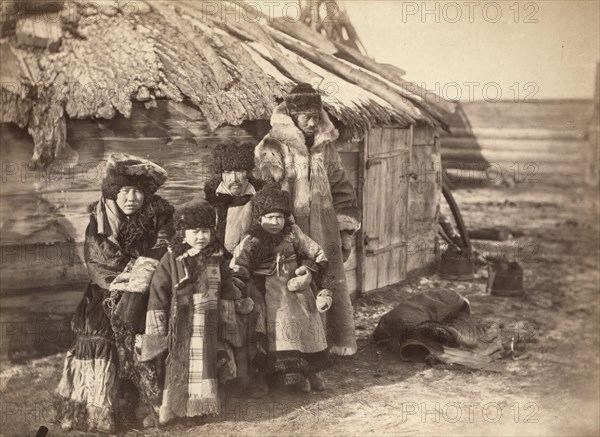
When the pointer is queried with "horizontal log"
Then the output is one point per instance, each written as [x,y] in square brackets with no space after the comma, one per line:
[506,156]
[517,145]
[515,133]
[491,234]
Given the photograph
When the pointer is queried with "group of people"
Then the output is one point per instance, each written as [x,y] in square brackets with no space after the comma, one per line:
[242,284]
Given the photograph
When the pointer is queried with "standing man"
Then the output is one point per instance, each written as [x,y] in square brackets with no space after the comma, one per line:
[230,192]
[299,153]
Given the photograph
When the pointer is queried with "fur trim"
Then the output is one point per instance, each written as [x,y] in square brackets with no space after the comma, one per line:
[271,199]
[304,99]
[218,200]
[230,156]
[347,223]
[274,155]
[140,228]
[342,350]
[195,214]
[179,248]
[125,170]
[264,242]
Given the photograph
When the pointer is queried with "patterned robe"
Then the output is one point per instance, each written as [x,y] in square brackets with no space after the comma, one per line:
[184,319]
[98,361]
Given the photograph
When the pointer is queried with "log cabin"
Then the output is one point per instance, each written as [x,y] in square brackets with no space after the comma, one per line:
[167,81]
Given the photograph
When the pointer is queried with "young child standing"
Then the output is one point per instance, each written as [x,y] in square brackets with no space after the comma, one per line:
[183,316]
[283,260]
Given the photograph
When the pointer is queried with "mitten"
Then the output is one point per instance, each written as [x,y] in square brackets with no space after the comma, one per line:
[324,300]
[244,305]
[302,279]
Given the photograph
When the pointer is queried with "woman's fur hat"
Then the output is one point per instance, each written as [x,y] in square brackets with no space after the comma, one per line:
[195,214]
[231,156]
[124,170]
[271,199]
[303,99]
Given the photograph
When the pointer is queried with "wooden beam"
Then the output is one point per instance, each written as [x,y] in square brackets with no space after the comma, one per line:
[198,41]
[352,75]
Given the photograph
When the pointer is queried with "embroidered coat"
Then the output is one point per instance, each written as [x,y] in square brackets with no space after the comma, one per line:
[288,325]
[184,320]
[324,204]
[94,365]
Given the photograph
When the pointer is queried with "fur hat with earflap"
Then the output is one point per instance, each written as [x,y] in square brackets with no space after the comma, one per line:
[124,170]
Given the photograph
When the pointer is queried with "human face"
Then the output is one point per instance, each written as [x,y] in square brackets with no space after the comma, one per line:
[272,222]
[197,238]
[308,122]
[130,200]
[235,181]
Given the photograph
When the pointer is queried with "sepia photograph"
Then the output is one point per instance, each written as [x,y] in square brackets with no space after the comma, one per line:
[299,218]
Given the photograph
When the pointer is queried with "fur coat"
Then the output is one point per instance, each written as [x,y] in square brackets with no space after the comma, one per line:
[114,244]
[324,204]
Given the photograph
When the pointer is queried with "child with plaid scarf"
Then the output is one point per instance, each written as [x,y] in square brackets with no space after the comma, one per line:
[191,312]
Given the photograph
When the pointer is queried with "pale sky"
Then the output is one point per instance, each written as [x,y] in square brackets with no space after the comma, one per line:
[486,43]
[526,49]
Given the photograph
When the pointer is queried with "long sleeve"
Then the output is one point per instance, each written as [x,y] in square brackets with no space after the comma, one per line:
[157,316]
[241,264]
[311,254]
[228,290]
[104,259]
[343,193]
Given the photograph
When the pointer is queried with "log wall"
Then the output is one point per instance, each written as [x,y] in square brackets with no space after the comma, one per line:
[544,142]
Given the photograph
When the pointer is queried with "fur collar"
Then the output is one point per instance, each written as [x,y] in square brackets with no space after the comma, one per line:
[180,249]
[220,199]
[285,130]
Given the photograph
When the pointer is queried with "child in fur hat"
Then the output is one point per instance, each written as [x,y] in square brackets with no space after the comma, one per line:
[184,318]
[282,261]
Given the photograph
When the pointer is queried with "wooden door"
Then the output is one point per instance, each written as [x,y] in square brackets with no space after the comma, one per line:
[386,166]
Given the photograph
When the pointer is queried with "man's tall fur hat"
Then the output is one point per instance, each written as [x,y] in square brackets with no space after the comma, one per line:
[124,170]
[303,99]
[231,156]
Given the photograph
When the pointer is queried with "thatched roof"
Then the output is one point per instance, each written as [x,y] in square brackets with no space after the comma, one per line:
[219,57]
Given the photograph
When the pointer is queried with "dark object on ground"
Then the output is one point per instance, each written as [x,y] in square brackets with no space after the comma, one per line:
[456,265]
[492,234]
[436,326]
[506,279]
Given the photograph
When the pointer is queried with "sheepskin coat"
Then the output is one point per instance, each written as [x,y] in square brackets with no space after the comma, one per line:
[324,204]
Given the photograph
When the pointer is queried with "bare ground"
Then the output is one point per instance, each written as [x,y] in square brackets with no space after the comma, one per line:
[553,392]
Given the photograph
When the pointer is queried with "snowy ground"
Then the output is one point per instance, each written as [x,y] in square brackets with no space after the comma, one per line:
[553,392]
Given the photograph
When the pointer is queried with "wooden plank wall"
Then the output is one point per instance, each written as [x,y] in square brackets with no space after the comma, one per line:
[424,199]
[542,142]
[385,208]
[44,213]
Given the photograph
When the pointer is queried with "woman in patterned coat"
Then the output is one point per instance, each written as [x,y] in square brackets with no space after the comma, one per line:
[128,232]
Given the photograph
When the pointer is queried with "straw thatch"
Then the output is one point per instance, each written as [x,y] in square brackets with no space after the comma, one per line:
[220,57]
